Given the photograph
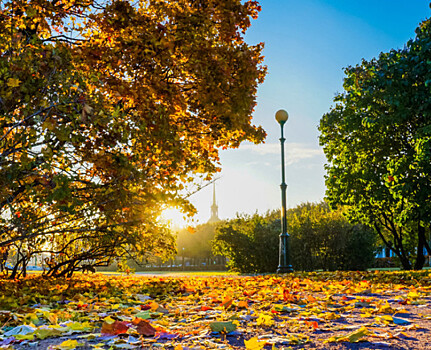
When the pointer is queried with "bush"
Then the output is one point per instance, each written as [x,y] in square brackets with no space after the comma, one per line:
[249,242]
[320,238]
[323,239]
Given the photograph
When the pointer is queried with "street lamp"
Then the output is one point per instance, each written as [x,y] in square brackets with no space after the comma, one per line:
[284,265]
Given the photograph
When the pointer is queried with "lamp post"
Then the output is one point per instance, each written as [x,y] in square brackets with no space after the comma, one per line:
[284,265]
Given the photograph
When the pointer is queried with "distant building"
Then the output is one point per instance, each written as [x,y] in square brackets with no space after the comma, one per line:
[214,209]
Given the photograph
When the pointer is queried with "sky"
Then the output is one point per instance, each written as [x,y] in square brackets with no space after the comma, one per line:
[308,43]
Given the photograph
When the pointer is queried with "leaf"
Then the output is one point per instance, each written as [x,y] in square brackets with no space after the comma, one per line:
[385,319]
[265,320]
[143,314]
[154,306]
[353,337]
[109,320]
[285,309]
[19,330]
[242,304]
[413,294]
[227,302]
[254,344]
[68,345]
[115,328]
[222,327]
[358,335]
[386,308]
[13,82]
[43,333]
[143,327]
[80,327]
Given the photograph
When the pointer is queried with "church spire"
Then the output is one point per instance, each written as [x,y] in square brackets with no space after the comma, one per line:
[214,208]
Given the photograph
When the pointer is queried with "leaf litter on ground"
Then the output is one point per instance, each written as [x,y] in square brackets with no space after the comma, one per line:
[300,310]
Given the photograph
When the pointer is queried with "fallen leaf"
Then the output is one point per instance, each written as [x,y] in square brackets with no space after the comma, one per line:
[223,327]
[68,345]
[254,344]
[143,327]
[115,328]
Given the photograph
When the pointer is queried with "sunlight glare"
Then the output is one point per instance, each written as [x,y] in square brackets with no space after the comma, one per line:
[174,218]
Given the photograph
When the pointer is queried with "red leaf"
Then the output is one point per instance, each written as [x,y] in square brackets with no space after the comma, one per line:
[313,324]
[115,328]
[286,295]
[143,327]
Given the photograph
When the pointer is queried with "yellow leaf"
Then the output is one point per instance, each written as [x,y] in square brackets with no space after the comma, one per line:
[81,327]
[413,294]
[109,320]
[386,308]
[265,320]
[154,306]
[358,335]
[331,316]
[353,337]
[68,345]
[12,82]
[385,319]
[254,344]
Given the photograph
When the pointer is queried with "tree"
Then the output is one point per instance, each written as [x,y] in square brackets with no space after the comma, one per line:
[377,139]
[108,111]
[195,242]
[249,242]
[322,238]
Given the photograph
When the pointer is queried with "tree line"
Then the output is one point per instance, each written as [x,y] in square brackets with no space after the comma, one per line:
[320,238]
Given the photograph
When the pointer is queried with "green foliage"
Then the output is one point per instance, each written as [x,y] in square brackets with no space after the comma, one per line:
[320,239]
[249,242]
[323,239]
[377,139]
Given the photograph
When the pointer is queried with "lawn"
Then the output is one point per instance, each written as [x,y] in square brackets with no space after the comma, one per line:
[338,310]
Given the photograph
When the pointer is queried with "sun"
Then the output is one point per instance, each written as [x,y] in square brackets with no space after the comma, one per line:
[174,218]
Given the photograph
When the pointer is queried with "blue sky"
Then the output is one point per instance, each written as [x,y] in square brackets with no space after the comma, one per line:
[307,45]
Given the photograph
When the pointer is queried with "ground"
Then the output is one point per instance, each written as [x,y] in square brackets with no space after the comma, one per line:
[355,310]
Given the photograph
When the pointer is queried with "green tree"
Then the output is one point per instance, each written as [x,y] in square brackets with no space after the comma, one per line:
[249,242]
[322,238]
[108,112]
[377,139]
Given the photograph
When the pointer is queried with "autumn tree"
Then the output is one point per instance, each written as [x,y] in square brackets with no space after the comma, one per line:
[108,113]
[377,139]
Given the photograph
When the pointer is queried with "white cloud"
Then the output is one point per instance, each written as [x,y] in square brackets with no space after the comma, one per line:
[295,152]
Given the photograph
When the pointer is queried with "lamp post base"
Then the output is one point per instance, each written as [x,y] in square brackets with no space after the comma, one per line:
[285,269]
